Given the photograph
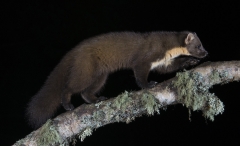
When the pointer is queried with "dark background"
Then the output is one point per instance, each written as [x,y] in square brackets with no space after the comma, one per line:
[36,34]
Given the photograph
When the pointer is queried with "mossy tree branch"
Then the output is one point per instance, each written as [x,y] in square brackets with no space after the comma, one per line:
[190,88]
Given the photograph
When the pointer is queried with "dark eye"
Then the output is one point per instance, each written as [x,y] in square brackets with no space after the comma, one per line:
[198,46]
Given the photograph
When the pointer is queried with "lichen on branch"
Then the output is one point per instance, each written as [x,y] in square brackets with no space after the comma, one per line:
[190,88]
[194,93]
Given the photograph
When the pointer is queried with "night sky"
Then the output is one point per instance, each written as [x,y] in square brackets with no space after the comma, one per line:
[36,34]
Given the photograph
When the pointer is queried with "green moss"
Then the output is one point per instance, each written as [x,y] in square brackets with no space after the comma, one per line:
[216,76]
[130,119]
[120,106]
[48,135]
[85,133]
[114,111]
[215,107]
[195,95]
[150,103]
[86,119]
[98,104]
[122,101]
[98,115]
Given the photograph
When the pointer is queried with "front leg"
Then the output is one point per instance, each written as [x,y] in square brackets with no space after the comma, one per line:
[190,62]
[179,63]
[141,74]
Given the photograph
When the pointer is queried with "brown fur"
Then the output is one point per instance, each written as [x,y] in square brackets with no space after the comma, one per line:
[85,68]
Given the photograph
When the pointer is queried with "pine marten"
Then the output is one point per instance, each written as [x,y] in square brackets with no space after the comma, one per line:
[86,67]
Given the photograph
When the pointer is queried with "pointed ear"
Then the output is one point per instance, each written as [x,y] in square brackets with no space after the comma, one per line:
[189,38]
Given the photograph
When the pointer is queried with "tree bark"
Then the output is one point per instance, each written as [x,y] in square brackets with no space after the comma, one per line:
[189,88]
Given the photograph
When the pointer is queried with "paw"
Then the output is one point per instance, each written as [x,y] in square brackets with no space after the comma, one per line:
[152,84]
[68,106]
[194,61]
[101,98]
[191,62]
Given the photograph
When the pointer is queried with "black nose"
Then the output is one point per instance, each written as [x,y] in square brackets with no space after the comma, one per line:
[203,53]
[206,53]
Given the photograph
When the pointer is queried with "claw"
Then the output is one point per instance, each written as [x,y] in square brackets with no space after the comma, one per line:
[101,98]
[68,106]
[152,84]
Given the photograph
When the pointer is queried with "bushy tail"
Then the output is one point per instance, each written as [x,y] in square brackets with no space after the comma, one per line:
[42,107]
[46,102]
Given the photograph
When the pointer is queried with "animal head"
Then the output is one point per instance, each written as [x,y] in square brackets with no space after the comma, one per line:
[194,46]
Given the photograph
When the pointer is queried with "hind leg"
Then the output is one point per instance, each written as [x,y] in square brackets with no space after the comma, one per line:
[66,100]
[89,93]
[76,83]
